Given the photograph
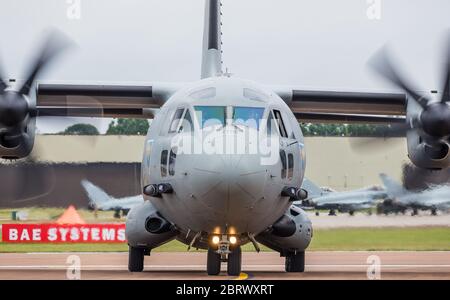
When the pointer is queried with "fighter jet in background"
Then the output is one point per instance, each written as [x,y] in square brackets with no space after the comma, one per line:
[433,199]
[351,201]
[100,200]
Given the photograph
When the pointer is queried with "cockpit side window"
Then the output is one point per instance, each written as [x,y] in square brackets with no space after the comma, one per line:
[283,164]
[176,120]
[290,172]
[187,125]
[280,123]
[164,155]
[172,159]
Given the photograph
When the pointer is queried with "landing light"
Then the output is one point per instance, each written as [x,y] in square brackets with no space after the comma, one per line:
[215,240]
[233,240]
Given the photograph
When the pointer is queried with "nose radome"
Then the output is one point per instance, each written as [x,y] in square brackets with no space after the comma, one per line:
[230,185]
[246,180]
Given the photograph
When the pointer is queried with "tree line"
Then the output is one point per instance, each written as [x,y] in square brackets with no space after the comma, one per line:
[140,127]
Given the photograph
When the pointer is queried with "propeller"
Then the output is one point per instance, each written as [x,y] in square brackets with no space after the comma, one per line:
[434,120]
[17,114]
[14,106]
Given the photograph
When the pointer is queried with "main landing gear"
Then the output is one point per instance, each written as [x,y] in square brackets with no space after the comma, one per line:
[136,258]
[295,262]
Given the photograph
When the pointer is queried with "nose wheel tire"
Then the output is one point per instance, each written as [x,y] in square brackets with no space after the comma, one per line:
[235,262]
[135,259]
[213,263]
[295,263]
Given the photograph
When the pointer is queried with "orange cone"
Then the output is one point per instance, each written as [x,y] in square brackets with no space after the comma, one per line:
[70,216]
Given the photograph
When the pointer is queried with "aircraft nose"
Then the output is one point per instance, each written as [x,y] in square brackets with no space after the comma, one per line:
[230,186]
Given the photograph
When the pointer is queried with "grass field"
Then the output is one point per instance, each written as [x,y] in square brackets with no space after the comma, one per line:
[52,214]
[361,239]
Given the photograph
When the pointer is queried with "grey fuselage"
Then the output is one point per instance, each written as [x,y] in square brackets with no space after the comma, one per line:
[228,192]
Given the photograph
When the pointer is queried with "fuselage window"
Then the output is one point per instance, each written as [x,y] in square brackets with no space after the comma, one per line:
[176,120]
[280,123]
[210,115]
[172,159]
[283,164]
[290,172]
[164,155]
[248,116]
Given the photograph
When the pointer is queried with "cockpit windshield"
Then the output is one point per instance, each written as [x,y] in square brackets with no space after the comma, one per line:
[221,115]
[210,115]
[248,116]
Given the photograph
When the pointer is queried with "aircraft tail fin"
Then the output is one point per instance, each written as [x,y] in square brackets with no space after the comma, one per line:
[212,40]
[393,188]
[96,195]
[312,188]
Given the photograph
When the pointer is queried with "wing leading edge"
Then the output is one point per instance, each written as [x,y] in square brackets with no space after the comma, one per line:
[109,101]
[345,107]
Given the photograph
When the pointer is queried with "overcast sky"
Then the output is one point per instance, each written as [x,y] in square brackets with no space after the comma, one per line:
[321,44]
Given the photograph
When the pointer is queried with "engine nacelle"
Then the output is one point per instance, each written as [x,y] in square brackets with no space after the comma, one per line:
[425,156]
[17,142]
[291,233]
[145,227]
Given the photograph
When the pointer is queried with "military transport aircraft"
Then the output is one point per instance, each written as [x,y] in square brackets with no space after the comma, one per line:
[198,187]
[350,201]
[100,200]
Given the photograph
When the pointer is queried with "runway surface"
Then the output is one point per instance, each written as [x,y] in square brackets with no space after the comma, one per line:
[265,266]
[361,220]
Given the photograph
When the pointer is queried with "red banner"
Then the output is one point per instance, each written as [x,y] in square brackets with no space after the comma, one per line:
[54,233]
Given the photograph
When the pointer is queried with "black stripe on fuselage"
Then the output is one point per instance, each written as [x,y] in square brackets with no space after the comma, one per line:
[214,11]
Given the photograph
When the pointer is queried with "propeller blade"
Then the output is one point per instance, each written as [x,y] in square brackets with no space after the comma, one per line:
[446,91]
[382,64]
[385,139]
[57,122]
[55,43]
[3,84]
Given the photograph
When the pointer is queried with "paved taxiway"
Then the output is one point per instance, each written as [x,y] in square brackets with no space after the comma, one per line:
[320,265]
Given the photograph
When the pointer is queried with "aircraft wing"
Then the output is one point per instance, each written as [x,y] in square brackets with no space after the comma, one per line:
[314,106]
[101,100]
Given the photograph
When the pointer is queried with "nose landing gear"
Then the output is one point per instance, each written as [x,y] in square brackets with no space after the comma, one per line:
[214,262]
[235,262]
[224,252]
